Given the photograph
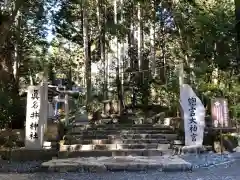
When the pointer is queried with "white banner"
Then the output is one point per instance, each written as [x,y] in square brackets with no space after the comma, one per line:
[193,115]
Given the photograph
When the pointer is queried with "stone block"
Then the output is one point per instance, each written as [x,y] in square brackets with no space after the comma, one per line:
[192,149]
[176,164]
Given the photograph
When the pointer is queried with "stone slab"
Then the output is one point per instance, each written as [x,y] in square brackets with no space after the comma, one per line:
[118,163]
[115,141]
[122,136]
[112,147]
[113,132]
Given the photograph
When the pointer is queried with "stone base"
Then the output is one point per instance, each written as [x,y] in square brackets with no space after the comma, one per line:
[192,149]
[120,163]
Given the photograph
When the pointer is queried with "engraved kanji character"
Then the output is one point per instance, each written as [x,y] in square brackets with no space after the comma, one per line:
[35,135]
[193,135]
[35,105]
[193,128]
[35,94]
[34,125]
[34,115]
[192,111]
[192,120]
[192,101]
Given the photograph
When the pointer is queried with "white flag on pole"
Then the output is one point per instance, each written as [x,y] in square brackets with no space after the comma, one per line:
[193,115]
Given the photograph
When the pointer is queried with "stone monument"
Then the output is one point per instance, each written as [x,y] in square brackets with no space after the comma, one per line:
[35,117]
[193,116]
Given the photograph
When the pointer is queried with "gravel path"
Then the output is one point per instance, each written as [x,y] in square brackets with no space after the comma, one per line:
[222,172]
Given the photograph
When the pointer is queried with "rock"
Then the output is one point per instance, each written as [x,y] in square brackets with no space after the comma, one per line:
[218,147]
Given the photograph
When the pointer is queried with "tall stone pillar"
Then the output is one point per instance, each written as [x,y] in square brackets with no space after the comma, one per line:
[34,128]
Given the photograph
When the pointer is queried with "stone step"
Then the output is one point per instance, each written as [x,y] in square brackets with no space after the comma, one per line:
[108,132]
[123,136]
[108,153]
[109,141]
[118,126]
[90,147]
[79,129]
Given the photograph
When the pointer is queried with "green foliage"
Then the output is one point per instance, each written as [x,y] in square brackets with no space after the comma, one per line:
[201,34]
[12,108]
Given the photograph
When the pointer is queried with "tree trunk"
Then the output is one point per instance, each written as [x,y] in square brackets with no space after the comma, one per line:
[143,60]
[101,29]
[140,38]
[152,40]
[183,42]
[118,81]
[237,12]
[87,53]
[18,51]
[133,54]
[162,63]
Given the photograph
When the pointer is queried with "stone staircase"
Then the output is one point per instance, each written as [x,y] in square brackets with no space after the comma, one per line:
[117,140]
